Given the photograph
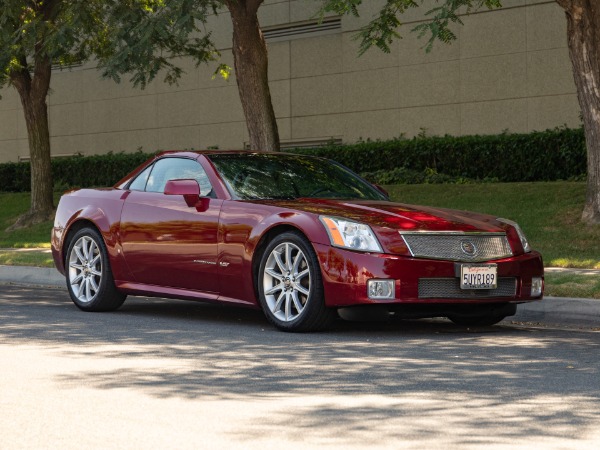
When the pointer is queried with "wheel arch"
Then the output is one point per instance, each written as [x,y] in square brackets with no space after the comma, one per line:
[74,227]
[108,228]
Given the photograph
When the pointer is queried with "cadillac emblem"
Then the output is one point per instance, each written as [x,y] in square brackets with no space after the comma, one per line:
[468,248]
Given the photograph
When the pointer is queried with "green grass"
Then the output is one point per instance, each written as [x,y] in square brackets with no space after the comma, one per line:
[549,213]
[28,258]
[572,285]
[12,206]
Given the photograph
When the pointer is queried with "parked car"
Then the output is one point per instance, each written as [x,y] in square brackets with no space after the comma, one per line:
[297,236]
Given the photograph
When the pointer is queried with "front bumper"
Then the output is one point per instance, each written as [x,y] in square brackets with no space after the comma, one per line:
[345,275]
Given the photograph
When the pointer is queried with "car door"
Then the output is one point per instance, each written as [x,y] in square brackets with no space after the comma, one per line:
[166,242]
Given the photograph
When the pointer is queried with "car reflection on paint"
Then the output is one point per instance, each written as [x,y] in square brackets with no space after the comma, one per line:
[299,237]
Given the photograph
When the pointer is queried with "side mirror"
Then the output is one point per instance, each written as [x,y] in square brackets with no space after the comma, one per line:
[202,204]
[188,188]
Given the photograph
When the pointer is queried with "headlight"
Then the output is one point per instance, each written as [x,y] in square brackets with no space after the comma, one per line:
[522,237]
[349,234]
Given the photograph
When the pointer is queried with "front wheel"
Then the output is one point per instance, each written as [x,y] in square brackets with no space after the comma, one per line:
[89,278]
[290,287]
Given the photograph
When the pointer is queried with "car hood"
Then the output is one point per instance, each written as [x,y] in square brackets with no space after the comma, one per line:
[398,216]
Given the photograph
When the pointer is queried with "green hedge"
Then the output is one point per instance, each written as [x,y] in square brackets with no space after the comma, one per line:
[76,171]
[402,175]
[557,154]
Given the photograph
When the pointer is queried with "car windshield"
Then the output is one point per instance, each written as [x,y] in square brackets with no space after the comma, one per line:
[279,176]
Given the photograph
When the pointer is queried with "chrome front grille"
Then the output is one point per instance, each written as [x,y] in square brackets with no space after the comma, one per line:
[450,288]
[463,247]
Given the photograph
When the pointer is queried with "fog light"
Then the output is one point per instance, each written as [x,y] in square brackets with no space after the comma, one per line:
[537,286]
[380,289]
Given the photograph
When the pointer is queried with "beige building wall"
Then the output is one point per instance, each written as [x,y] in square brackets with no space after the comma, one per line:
[509,70]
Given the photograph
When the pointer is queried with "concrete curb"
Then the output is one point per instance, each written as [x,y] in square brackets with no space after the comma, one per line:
[560,311]
[32,276]
[551,310]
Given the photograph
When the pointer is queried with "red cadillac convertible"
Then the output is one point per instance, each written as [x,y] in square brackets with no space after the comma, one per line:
[299,237]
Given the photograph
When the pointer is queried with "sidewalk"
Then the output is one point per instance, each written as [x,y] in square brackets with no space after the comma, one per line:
[578,312]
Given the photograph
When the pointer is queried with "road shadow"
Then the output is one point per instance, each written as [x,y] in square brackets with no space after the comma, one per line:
[226,353]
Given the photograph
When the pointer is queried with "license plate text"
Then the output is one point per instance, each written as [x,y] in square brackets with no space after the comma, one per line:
[478,276]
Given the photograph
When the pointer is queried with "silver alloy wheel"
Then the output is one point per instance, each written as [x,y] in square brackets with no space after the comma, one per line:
[85,269]
[286,282]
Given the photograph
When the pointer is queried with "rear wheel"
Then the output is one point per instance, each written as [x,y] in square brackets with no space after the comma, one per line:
[89,278]
[290,286]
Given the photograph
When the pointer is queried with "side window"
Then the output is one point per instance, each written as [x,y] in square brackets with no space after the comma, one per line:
[139,184]
[177,169]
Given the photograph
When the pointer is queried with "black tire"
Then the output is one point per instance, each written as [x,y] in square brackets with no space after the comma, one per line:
[282,296]
[89,278]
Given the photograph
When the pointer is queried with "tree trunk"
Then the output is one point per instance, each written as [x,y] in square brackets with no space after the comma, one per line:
[583,31]
[36,118]
[251,70]
[33,92]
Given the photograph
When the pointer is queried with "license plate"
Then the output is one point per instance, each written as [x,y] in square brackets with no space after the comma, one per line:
[478,276]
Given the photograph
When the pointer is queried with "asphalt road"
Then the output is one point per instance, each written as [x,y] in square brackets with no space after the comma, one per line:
[171,374]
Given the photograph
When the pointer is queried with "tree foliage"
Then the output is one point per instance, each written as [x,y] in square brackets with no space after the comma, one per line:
[137,37]
[383,29]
